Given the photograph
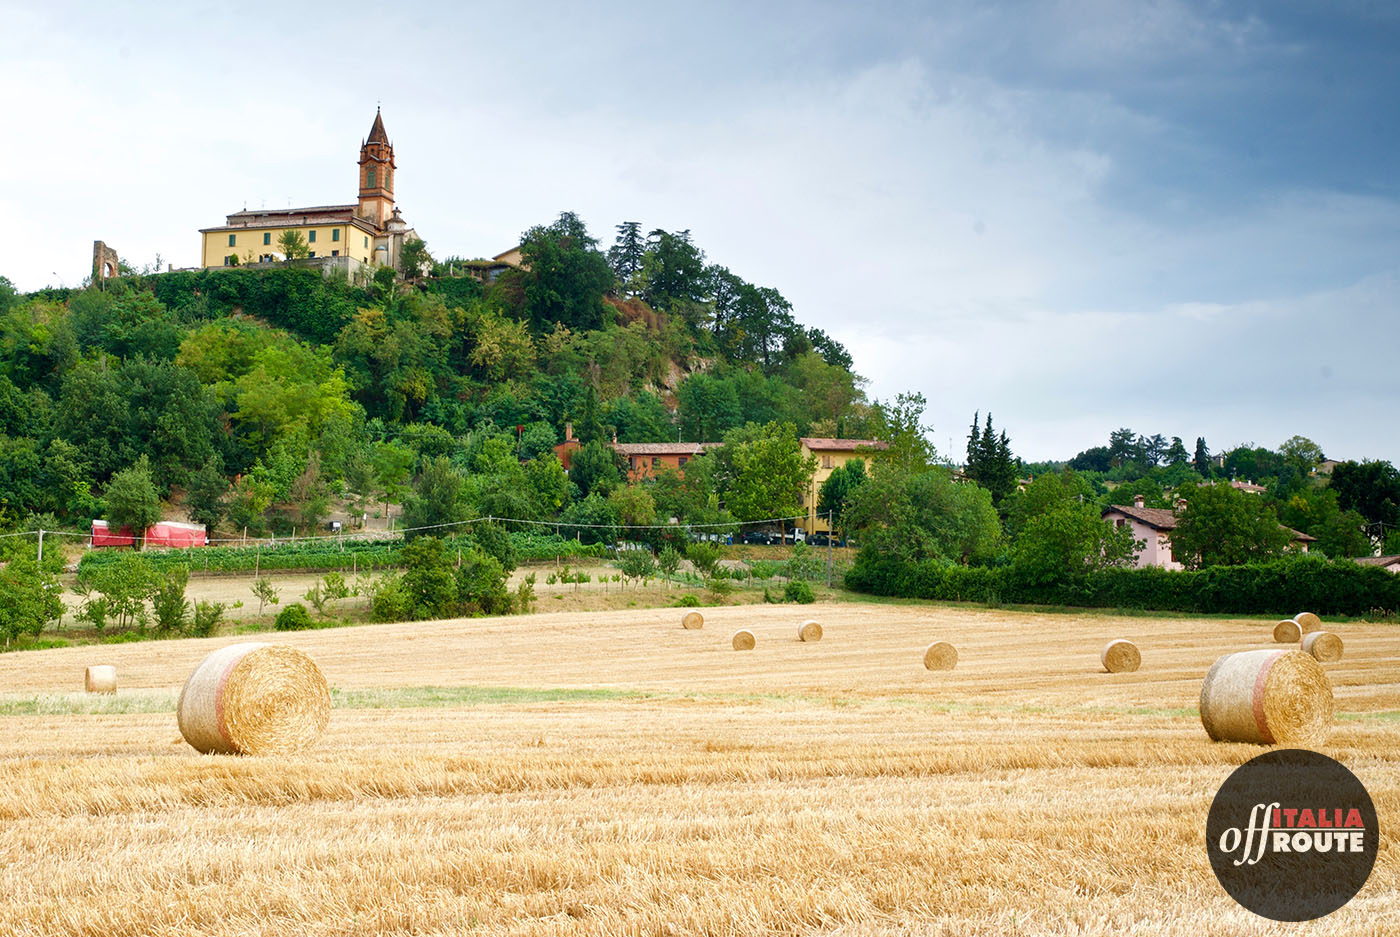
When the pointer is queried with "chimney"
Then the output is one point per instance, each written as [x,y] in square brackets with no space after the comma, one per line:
[1139,501]
[568,432]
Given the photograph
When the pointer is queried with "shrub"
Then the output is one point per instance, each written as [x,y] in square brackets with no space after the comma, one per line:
[799,591]
[207,616]
[171,610]
[294,617]
[688,601]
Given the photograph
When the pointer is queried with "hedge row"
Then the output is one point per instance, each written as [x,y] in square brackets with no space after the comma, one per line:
[329,553]
[1281,587]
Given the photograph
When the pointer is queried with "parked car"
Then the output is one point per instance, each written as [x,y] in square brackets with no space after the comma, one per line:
[754,538]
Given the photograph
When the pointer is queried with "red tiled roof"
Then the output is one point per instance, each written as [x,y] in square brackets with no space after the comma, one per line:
[1156,518]
[663,448]
[1378,560]
[827,444]
[1165,519]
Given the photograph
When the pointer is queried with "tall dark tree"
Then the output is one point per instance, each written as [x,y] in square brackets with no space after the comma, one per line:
[1372,489]
[1201,461]
[564,274]
[1176,453]
[625,256]
[989,460]
[673,269]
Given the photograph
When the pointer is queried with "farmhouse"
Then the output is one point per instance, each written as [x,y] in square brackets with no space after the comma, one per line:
[831,454]
[1155,526]
[364,234]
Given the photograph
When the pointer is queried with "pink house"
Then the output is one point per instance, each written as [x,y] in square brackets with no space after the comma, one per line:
[1155,526]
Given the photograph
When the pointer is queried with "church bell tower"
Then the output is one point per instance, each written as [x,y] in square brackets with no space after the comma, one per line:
[377,174]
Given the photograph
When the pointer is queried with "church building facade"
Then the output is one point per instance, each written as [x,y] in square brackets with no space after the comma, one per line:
[368,233]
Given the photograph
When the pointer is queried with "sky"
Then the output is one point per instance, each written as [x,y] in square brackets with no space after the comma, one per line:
[1177,217]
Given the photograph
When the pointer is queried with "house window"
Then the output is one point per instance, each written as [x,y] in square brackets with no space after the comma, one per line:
[680,463]
[335,235]
[267,237]
[335,253]
[366,242]
[826,461]
[310,253]
[655,461]
[371,178]
[233,240]
[311,236]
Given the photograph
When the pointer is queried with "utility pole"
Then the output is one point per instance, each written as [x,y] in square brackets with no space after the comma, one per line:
[41,548]
[830,532]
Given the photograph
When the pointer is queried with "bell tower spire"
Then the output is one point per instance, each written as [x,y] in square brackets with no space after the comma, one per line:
[377,174]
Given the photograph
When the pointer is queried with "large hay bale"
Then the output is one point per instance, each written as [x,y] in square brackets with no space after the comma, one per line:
[254,699]
[743,640]
[100,678]
[1119,656]
[1267,697]
[940,655]
[693,621]
[1322,645]
[809,631]
[1287,632]
[1307,621]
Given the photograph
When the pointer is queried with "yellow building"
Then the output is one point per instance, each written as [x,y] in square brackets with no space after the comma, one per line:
[366,234]
[831,454]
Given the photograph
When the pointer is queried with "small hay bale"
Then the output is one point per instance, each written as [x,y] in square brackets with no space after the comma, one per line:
[1307,621]
[809,631]
[743,640]
[940,655]
[1119,656]
[693,621]
[1287,632]
[100,678]
[1267,697]
[1322,645]
[254,699]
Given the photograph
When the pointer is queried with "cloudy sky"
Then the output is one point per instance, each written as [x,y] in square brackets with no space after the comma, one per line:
[1180,217]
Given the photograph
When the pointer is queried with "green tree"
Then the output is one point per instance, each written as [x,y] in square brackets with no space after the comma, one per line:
[625,256]
[838,489]
[1372,489]
[293,244]
[393,465]
[592,520]
[924,515]
[132,500]
[168,603]
[29,599]
[564,274]
[708,407]
[205,497]
[414,259]
[436,499]
[1223,526]
[899,423]
[121,589]
[1068,540]
[635,507]
[1201,460]
[265,592]
[989,460]
[770,474]
[595,470]
[1176,453]
[1301,453]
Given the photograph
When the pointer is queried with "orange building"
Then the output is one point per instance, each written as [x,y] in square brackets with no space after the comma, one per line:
[646,459]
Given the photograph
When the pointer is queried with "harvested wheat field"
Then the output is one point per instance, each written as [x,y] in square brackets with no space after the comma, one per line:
[615,774]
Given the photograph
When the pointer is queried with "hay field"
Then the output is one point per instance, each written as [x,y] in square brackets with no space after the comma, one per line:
[612,773]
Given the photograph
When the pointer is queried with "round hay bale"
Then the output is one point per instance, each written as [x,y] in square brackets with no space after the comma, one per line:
[693,621]
[940,655]
[743,640]
[809,631]
[1322,645]
[1119,656]
[100,678]
[1267,697]
[1307,621]
[1287,632]
[254,699]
